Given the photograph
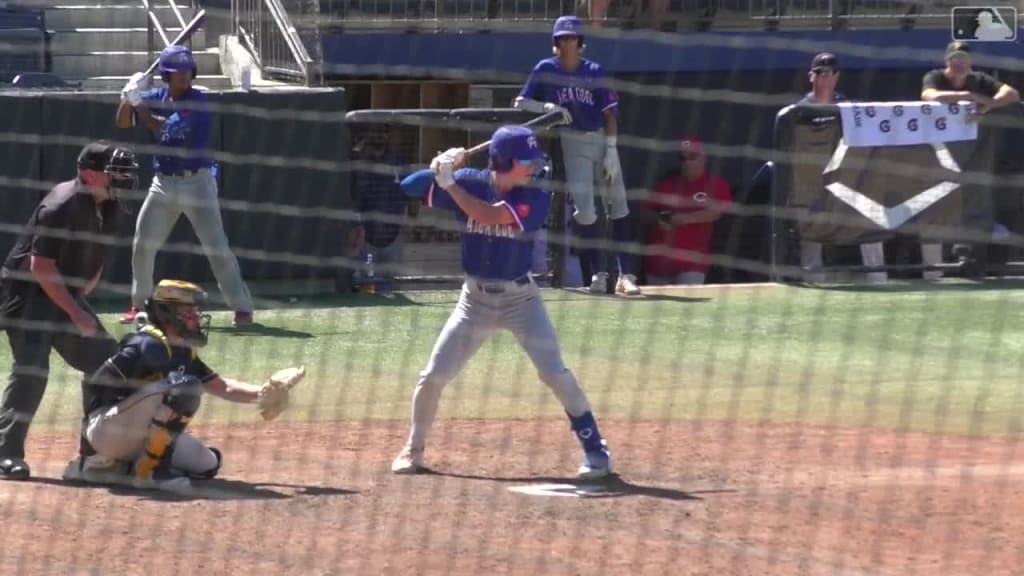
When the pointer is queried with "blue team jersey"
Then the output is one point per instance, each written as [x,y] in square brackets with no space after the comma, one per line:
[496,252]
[186,126]
[584,92]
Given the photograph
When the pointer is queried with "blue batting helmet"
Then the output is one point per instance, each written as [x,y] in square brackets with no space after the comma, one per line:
[513,143]
[177,59]
[567,26]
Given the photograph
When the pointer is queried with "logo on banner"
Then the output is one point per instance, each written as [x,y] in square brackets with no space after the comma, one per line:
[912,124]
[891,217]
[984,23]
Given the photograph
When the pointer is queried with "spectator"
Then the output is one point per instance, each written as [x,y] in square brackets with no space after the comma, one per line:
[683,210]
[381,203]
[824,77]
[955,83]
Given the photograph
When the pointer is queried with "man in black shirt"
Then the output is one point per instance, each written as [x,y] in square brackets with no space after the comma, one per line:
[957,82]
[57,262]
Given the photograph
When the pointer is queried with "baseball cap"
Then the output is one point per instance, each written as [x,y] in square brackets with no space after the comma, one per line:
[515,143]
[958,47]
[96,155]
[691,144]
[825,60]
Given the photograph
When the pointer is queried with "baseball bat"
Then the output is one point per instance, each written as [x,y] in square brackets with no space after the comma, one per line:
[546,122]
[417,184]
[184,35]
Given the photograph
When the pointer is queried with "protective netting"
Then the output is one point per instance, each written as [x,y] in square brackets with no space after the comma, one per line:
[821,373]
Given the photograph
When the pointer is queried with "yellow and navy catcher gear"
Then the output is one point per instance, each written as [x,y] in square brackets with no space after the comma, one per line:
[177,304]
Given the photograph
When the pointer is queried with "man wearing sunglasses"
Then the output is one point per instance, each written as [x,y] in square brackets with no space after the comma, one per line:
[684,208]
[824,76]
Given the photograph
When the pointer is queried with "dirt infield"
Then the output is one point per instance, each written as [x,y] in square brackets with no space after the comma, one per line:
[692,499]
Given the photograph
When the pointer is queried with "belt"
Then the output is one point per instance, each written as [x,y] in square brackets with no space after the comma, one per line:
[180,172]
[499,288]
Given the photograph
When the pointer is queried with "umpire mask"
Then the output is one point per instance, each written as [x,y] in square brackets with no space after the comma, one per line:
[123,174]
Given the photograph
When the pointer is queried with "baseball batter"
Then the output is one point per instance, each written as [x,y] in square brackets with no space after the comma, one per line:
[499,213]
[140,401]
[179,122]
[577,88]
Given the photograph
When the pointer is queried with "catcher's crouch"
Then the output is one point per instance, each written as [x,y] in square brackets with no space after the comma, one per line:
[140,401]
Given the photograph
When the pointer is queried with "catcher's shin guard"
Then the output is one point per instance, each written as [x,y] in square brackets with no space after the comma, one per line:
[179,405]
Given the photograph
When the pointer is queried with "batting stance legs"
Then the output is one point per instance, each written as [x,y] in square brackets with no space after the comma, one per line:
[583,157]
[483,308]
[196,197]
[142,440]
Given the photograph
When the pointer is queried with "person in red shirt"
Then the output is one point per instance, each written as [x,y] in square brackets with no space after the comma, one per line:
[684,208]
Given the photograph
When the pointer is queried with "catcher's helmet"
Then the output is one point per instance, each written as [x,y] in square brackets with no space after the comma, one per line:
[176,59]
[567,26]
[513,143]
[169,299]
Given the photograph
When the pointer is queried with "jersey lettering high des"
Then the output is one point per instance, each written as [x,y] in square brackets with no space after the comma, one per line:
[584,92]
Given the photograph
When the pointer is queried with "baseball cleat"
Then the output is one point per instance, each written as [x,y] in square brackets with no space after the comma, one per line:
[627,285]
[242,318]
[599,283]
[129,316]
[408,462]
[14,469]
[98,469]
[596,464]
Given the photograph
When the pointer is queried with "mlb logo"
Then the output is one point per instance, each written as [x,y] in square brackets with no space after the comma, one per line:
[984,23]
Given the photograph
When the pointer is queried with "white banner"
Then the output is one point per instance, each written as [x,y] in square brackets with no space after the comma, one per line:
[906,123]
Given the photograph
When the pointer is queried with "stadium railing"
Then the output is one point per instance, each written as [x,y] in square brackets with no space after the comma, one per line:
[266,29]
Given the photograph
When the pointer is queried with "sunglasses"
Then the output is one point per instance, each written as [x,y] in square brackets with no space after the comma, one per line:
[825,73]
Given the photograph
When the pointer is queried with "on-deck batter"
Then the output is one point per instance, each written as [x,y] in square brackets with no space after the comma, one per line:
[500,213]
[578,88]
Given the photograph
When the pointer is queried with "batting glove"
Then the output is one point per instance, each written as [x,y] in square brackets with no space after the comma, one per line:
[566,116]
[444,166]
[612,168]
[140,81]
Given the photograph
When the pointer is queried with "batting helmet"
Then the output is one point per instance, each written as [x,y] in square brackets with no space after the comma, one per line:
[176,59]
[164,306]
[513,143]
[567,26]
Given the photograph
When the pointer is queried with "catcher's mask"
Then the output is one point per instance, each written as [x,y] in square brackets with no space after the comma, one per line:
[176,304]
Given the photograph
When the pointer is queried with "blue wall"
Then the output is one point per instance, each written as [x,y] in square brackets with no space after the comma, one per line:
[496,55]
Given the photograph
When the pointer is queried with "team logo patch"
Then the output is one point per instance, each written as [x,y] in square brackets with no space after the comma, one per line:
[523,210]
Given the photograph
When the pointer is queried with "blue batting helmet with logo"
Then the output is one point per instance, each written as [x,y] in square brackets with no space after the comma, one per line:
[513,143]
[177,59]
[567,26]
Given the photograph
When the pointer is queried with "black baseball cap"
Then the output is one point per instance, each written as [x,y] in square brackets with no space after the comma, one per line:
[825,60]
[96,155]
[958,47]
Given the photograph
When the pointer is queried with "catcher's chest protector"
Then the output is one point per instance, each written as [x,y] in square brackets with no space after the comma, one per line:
[148,330]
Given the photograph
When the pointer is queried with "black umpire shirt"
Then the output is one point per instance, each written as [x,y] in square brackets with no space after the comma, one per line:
[68,227]
[977,82]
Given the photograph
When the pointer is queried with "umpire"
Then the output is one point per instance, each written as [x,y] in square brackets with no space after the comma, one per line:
[57,262]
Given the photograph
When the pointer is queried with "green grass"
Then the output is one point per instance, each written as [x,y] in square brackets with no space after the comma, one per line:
[945,358]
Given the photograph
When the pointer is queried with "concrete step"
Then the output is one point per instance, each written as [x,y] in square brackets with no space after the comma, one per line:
[115,83]
[107,63]
[86,40]
[66,17]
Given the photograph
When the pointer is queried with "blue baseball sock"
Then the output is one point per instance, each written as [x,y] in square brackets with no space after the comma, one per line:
[622,234]
[585,428]
[588,254]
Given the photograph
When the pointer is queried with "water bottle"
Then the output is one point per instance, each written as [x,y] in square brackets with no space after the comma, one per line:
[370,287]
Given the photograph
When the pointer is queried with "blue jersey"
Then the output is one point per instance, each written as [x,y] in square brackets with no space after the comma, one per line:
[143,356]
[378,193]
[186,126]
[584,92]
[496,252]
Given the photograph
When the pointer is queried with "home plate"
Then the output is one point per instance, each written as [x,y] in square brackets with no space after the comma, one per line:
[567,490]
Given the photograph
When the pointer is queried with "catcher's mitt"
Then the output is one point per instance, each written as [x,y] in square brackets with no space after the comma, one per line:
[273,397]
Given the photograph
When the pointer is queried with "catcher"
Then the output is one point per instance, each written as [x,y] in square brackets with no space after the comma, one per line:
[140,401]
